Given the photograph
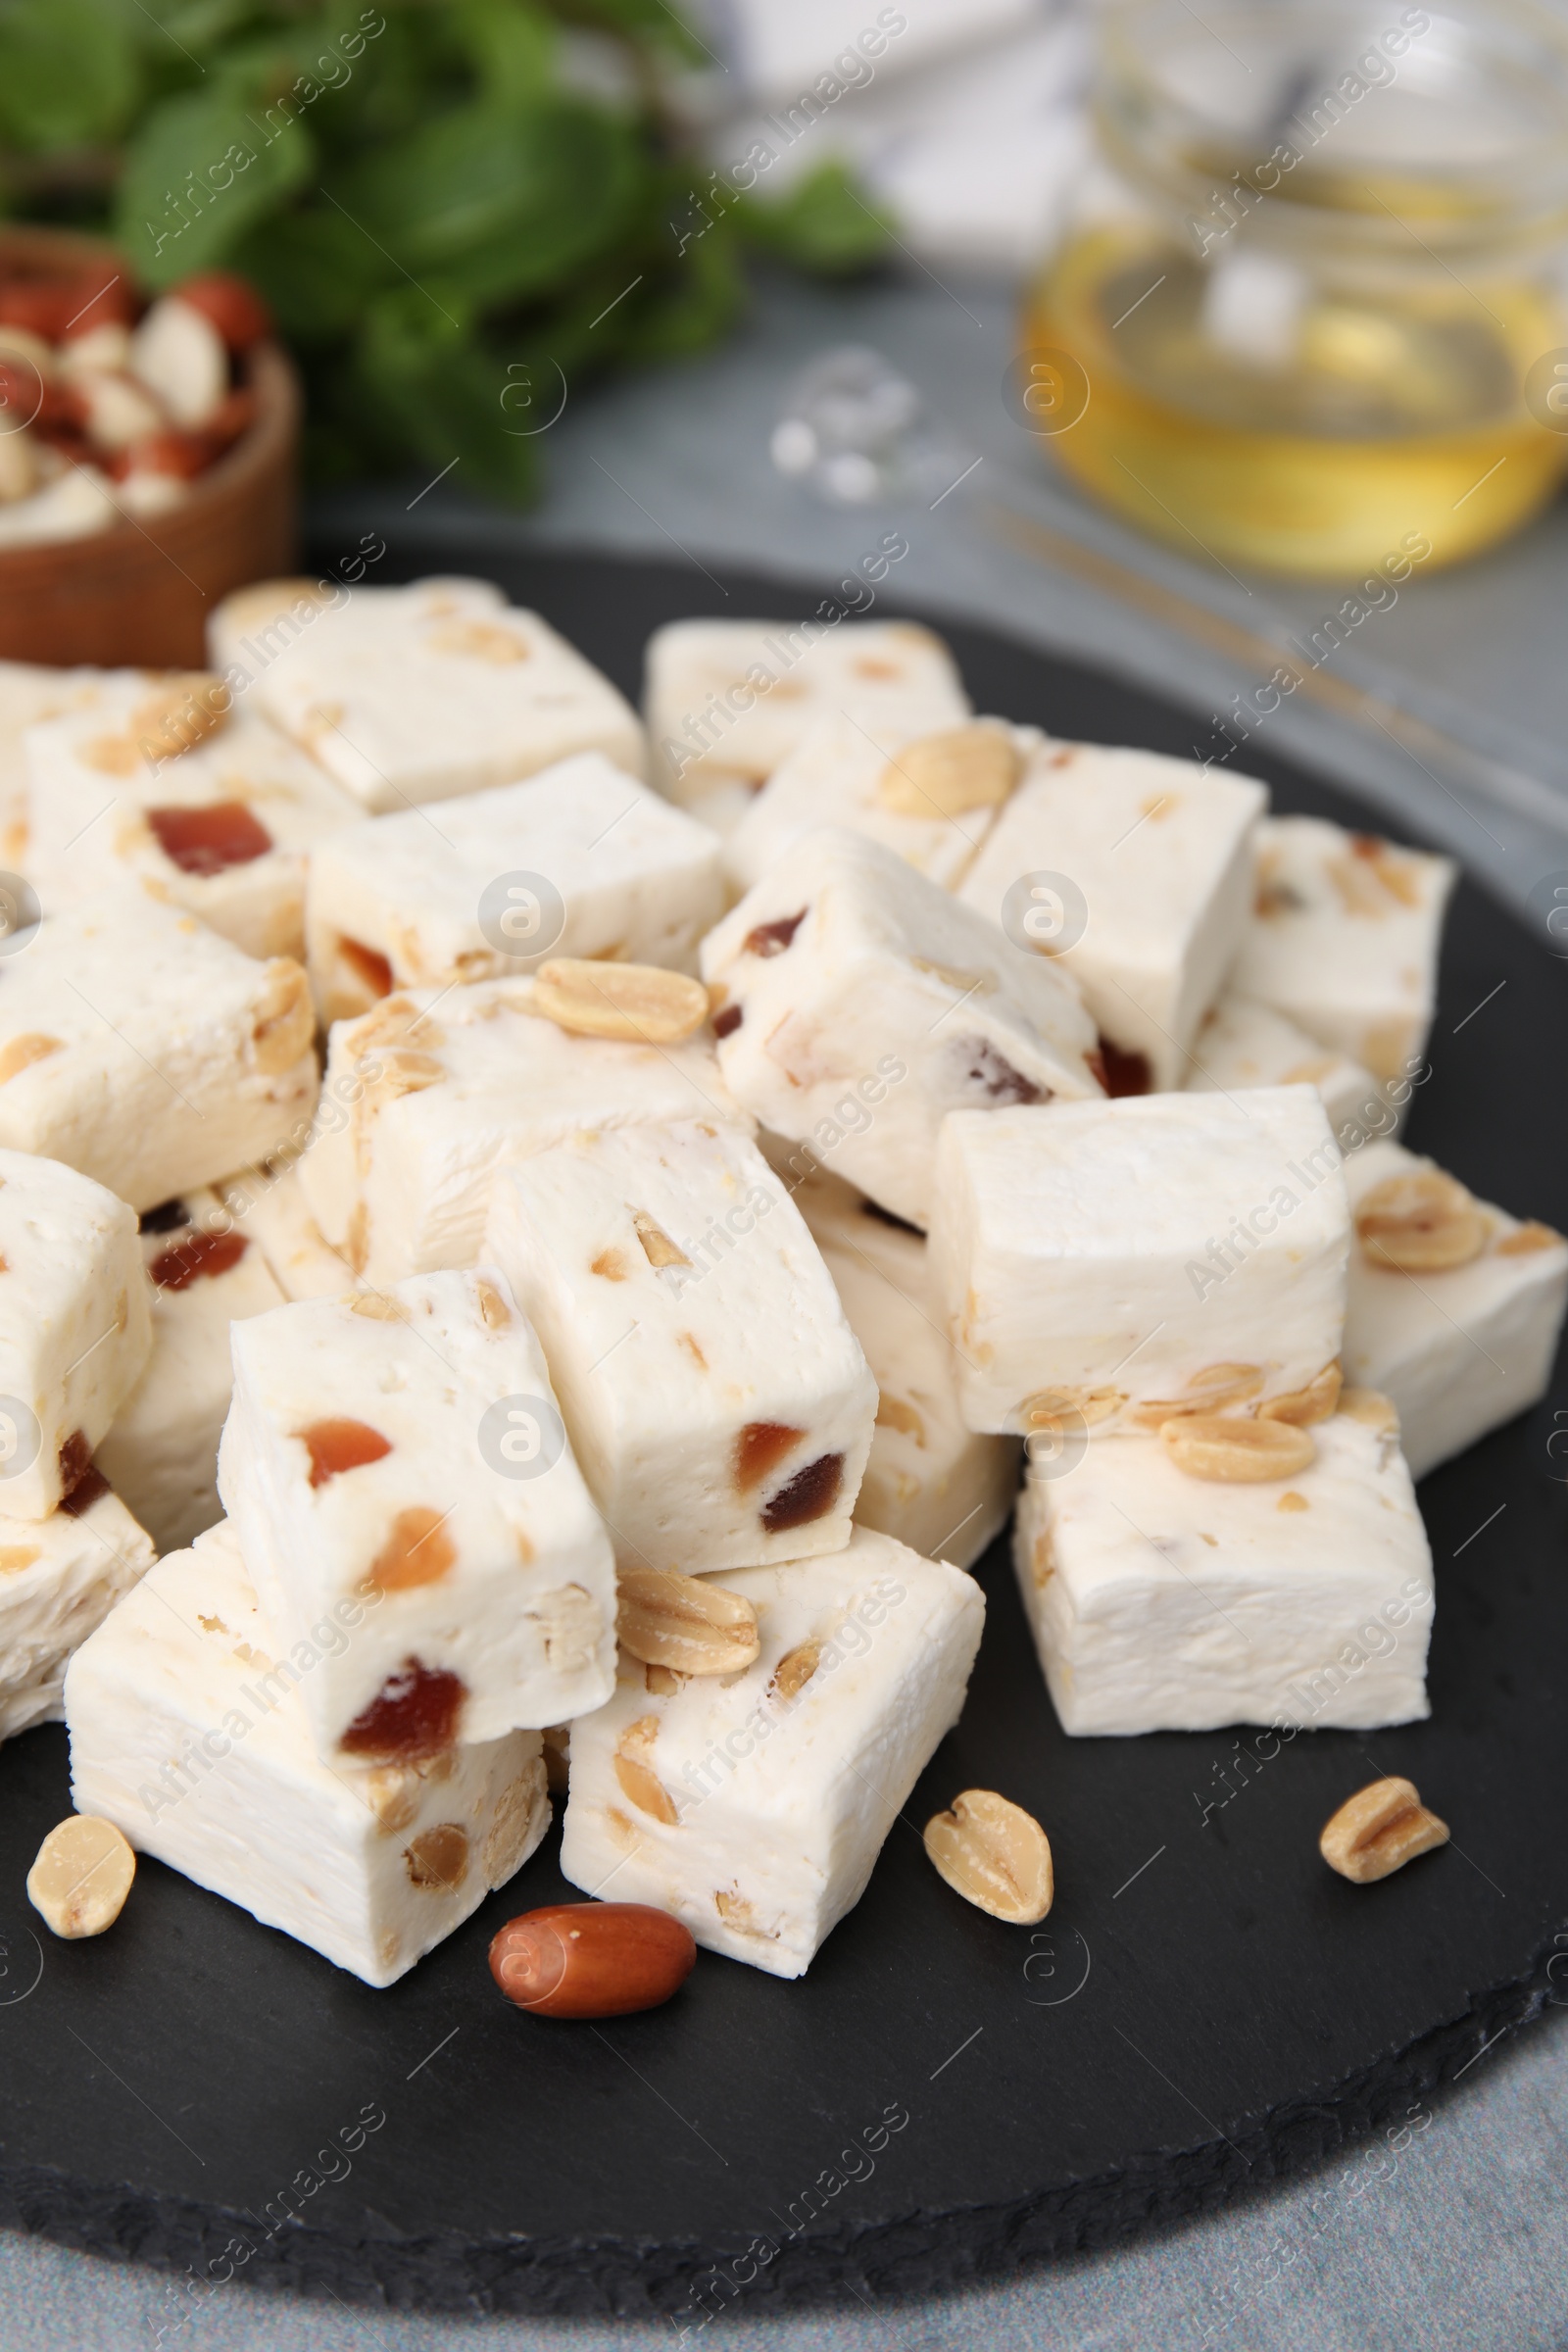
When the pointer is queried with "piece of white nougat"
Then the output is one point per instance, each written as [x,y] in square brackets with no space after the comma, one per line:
[58,1578]
[1124,1261]
[1242,1045]
[719,1401]
[433,1093]
[189,1733]
[75,1328]
[378,1452]
[1344,939]
[1460,1347]
[857,1004]
[1163,1602]
[729,701]
[224,829]
[935,1484]
[883,779]
[1136,872]
[160,1454]
[580,861]
[753,1805]
[424,692]
[138,1045]
[31,692]
[268,1206]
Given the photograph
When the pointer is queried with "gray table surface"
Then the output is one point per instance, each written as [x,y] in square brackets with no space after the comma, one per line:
[1461,2238]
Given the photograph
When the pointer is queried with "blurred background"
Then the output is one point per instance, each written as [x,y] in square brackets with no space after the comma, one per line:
[1225,346]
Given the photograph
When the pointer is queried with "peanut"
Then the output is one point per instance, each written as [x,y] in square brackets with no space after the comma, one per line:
[640,1783]
[1317,1402]
[284,1022]
[1380,1829]
[82,1875]
[1420,1223]
[1211,1391]
[20,1053]
[592,1959]
[1048,1407]
[1371,1407]
[995,1854]
[795,1669]
[1236,1452]
[181,710]
[943,775]
[1525,1239]
[684,1622]
[638,1000]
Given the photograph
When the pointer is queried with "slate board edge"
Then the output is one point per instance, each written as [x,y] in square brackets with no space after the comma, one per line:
[918,2254]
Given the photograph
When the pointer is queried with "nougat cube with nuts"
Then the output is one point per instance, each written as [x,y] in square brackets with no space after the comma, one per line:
[74,1327]
[402,1448]
[1134,872]
[430,1095]
[729,701]
[717,1399]
[929,1481]
[224,828]
[1107,1266]
[189,1732]
[1455,1307]
[1160,1602]
[1344,940]
[58,1578]
[753,1805]
[1241,1044]
[31,692]
[856,1004]
[138,1045]
[424,693]
[580,861]
[931,794]
[160,1453]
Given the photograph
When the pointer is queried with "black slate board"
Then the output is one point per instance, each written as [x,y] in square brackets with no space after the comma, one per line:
[1207,2007]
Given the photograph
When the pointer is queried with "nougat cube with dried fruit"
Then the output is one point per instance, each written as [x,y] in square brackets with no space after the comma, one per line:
[139,1046]
[856,1004]
[74,1327]
[1455,1307]
[1159,1601]
[402,1448]
[224,828]
[160,1453]
[729,701]
[58,1578]
[580,860]
[717,1399]
[424,693]
[753,1805]
[1344,940]
[434,1091]
[935,1484]
[1136,873]
[190,1733]
[1241,1044]
[1107,1266]
[932,793]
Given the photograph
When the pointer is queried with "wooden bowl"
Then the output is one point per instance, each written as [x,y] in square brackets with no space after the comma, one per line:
[139,593]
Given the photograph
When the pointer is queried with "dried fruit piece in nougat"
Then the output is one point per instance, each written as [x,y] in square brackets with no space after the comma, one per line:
[1160,857]
[424,692]
[161,1455]
[429,1095]
[138,1045]
[1455,1307]
[1163,1602]
[719,1401]
[580,861]
[754,1806]
[58,1578]
[75,1328]
[404,1445]
[856,1004]
[1344,939]
[189,1732]
[1114,1263]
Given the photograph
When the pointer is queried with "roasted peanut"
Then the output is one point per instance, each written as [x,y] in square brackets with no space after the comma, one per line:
[82,1875]
[634,1001]
[592,1959]
[1420,1223]
[684,1622]
[995,1854]
[942,775]
[1380,1829]
[1317,1402]
[1236,1452]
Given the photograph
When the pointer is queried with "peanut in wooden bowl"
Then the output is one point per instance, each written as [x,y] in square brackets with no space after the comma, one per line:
[139,593]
